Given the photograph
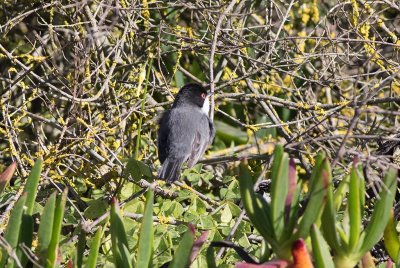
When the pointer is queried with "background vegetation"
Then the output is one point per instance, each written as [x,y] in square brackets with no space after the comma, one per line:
[82,84]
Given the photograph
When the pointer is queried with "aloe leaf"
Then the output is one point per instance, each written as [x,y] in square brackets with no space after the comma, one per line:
[354,208]
[46,224]
[320,248]
[315,172]
[80,248]
[291,189]
[12,232]
[341,192]
[328,219]
[118,237]
[182,253]
[26,237]
[361,188]
[381,213]
[6,176]
[262,218]
[293,217]
[31,185]
[146,239]
[391,237]
[279,190]
[94,248]
[30,188]
[56,231]
[278,153]
[316,200]
[257,210]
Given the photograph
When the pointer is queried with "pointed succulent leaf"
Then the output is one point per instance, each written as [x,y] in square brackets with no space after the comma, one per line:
[354,208]
[146,239]
[279,190]
[31,185]
[381,213]
[53,251]
[13,230]
[182,253]
[391,237]
[320,249]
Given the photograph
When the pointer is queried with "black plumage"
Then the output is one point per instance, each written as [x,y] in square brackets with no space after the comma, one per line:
[185,132]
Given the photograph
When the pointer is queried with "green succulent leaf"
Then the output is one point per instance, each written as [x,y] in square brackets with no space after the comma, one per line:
[118,237]
[182,253]
[146,239]
[31,186]
[354,208]
[320,249]
[46,224]
[256,207]
[94,248]
[317,199]
[13,230]
[391,238]
[56,231]
[381,213]
[279,190]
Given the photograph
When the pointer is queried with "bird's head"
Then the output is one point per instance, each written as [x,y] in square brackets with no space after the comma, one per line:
[193,95]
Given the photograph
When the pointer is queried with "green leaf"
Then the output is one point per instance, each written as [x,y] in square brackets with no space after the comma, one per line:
[182,253]
[95,209]
[46,224]
[137,169]
[391,238]
[256,207]
[316,170]
[80,248]
[229,133]
[279,189]
[146,239]
[381,213]
[12,232]
[31,186]
[340,192]
[94,248]
[118,237]
[316,200]
[25,237]
[292,202]
[226,215]
[361,188]
[320,249]
[328,219]
[6,176]
[56,231]
[354,208]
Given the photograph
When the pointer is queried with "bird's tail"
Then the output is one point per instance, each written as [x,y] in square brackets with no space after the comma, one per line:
[170,170]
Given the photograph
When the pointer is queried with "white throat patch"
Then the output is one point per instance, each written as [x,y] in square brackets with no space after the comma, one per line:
[206,106]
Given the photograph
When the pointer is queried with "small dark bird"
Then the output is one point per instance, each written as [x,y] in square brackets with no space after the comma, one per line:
[185,131]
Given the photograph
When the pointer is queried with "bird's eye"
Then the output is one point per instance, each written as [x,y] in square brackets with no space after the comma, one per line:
[203,96]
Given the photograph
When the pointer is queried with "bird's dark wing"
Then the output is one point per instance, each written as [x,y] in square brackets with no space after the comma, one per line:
[163,133]
[202,138]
